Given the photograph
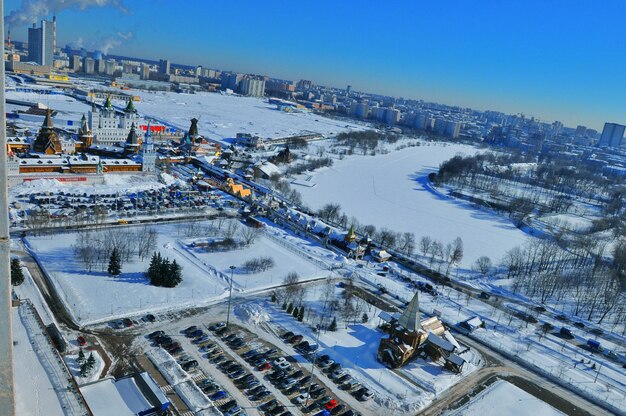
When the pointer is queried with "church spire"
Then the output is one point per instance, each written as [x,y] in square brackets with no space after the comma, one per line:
[410,319]
[107,103]
[130,107]
[47,123]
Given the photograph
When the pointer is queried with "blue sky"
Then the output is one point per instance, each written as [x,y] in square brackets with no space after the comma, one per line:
[555,60]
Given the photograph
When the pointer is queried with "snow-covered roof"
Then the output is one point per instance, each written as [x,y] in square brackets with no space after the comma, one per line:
[132,396]
[455,359]
[439,342]
[104,399]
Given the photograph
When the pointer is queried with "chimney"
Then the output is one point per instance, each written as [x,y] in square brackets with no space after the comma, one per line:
[54,34]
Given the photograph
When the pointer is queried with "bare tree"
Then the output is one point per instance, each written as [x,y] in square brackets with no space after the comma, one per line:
[483,265]
[425,243]
[249,234]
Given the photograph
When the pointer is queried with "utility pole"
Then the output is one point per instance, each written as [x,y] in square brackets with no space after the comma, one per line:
[7,393]
[230,294]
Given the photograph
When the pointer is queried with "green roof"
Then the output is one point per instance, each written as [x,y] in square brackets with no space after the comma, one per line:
[130,107]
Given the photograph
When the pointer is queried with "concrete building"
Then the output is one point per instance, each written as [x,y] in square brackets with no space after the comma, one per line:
[252,87]
[392,116]
[109,67]
[231,81]
[164,67]
[100,66]
[145,71]
[361,110]
[41,42]
[75,63]
[89,65]
[612,135]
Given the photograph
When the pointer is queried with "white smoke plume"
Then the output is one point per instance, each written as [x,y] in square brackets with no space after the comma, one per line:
[32,10]
[106,44]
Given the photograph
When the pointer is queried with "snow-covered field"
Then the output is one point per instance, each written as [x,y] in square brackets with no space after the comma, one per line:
[223,116]
[504,398]
[95,296]
[392,191]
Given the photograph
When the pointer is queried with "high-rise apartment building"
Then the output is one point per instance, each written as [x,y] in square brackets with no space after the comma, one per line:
[612,135]
[252,87]
[41,43]
[164,67]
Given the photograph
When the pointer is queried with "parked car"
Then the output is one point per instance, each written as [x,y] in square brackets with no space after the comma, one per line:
[287,335]
[189,365]
[566,333]
[190,329]
[217,326]
[302,398]
[81,341]
[156,334]
[284,366]
[219,395]
[295,339]
[150,318]
[337,409]
[265,367]
[326,363]
[127,322]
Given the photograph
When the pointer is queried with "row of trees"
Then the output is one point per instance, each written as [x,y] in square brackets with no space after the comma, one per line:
[162,272]
[309,165]
[94,248]
[86,365]
[445,255]
[544,271]
[258,265]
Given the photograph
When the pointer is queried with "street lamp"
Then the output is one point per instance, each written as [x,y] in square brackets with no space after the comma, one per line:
[230,294]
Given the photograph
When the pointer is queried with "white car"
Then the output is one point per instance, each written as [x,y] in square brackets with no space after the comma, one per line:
[284,365]
[302,398]
[279,361]
[366,396]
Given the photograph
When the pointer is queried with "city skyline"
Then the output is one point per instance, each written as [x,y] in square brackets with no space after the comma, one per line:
[535,59]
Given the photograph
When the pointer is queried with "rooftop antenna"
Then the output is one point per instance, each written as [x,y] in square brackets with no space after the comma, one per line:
[7,392]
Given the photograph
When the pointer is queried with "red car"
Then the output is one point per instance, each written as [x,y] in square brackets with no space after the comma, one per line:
[127,322]
[265,366]
[81,341]
[331,404]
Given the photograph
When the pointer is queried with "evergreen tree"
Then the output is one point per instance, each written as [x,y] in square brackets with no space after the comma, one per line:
[174,275]
[284,305]
[115,263]
[17,275]
[152,269]
[333,325]
[84,370]
[91,362]
[365,318]
[301,314]
[274,297]
[290,308]
[81,356]
[295,312]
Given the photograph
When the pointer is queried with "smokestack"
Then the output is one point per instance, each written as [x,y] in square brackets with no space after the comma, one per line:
[9,39]
[54,34]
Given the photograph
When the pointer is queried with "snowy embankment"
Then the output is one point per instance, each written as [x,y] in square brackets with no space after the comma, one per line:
[41,377]
[390,191]
[113,184]
[182,382]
